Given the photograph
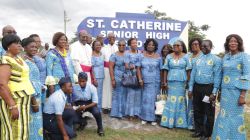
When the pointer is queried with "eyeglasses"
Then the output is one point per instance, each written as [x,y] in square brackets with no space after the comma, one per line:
[177,45]
[205,46]
[195,44]
[121,44]
[11,32]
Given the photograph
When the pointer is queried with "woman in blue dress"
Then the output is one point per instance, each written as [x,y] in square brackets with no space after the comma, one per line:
[97,61]
[36,120]
[117,69]
[58,63]
[148,72]
[41,64]
[165,51]
[235,83]
[177,69]
[194,46]
[133,104]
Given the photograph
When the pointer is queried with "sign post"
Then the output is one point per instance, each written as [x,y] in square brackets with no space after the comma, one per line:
[140,26]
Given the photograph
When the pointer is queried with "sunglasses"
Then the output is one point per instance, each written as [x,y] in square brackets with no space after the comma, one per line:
[121,44]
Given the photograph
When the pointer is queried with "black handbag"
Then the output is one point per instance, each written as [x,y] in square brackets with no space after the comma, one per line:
[130,80]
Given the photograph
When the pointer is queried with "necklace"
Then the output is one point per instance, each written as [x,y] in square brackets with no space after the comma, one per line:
[63,54]
[176,58]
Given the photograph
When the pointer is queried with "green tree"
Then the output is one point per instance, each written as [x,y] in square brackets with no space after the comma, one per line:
[74,39]
[193,30]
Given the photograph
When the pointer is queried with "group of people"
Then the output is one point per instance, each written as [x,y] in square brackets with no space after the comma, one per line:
[52,89]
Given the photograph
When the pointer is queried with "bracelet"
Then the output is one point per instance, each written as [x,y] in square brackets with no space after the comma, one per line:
[140,81]
[164,84]
[12,107]
[35,105]
[242,96]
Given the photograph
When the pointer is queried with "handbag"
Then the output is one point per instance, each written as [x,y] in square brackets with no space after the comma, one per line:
[161,100]
[129,79]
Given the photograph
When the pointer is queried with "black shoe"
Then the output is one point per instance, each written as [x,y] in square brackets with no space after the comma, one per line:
[82,126]
[192,130]
[204,138]
[105,111]
[100,132]
[196,135]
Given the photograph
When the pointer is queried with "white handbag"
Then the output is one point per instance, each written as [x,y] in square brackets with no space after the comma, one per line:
[160,103]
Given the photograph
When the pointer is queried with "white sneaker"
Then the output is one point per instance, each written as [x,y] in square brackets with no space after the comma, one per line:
[153,123]
[143,122]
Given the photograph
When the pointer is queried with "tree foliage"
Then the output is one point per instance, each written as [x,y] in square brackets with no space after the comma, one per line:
[193,30]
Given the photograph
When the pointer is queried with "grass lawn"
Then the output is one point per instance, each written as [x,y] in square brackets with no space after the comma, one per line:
[175,134]
[162,134]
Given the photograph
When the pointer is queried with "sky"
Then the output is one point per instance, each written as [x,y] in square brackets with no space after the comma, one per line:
[45,17]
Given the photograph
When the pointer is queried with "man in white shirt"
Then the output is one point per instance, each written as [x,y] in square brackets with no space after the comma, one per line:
[81,54]
[106,51]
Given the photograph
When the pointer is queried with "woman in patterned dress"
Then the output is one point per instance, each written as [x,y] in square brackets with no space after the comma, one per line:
[16,91]
[36,119]
[148,72]
[117,69]
[235,83]
[133,104]
[166,50]
[58,63]
[97,61]
[41,64]
[177,68]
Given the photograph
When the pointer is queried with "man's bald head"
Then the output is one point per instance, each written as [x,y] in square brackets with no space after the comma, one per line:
[8,30]
[111,34]
[83,36]
[111,38]
[100,38]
